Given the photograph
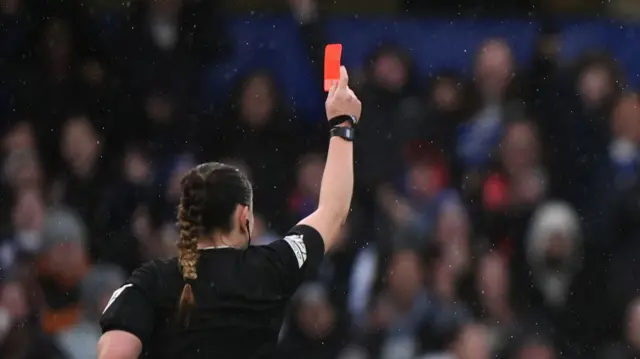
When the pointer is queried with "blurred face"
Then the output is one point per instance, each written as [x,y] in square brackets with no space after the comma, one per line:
[165,8]
[13,298]
[493,278]
[159,109]
[68,262]
[473,343]
[310,175]
[25,173]
[257,103]
[316,319]
[558,249]
[494,68]
[21,137]
[390,72]
[10,7]
[28,214]
[536,351]
[446,95]
[520,148]
[626,118]
[405,276]
[57,40]
[424,180]
[80,144]
[136,166]
[633,324]
[595,84]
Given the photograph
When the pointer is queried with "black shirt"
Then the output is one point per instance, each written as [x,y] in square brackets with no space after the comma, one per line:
[240,300]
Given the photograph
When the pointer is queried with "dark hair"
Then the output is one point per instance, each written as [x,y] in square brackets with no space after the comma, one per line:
[210,194]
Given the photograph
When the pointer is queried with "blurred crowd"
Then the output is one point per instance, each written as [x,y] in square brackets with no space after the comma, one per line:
[495,214]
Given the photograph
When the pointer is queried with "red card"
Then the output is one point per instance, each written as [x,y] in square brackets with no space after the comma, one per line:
[332,55]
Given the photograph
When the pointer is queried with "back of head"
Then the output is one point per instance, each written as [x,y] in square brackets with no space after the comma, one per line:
[211,192]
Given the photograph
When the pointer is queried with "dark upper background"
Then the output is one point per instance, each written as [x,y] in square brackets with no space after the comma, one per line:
[497,197]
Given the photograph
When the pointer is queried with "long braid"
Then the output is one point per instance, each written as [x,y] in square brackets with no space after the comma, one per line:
[189,223]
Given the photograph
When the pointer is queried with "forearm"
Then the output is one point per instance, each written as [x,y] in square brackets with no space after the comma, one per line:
[336,189]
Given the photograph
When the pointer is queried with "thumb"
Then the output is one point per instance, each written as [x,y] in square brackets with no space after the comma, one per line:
[344,78]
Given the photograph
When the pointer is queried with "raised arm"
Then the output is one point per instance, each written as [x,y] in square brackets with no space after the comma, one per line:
[337,181]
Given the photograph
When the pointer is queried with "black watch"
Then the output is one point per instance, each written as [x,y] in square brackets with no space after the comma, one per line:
[346,133]
[338,120]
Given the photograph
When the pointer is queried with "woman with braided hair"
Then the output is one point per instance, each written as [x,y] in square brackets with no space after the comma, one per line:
[220,297]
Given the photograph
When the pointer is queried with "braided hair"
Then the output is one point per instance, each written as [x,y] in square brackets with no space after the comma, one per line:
[210,194]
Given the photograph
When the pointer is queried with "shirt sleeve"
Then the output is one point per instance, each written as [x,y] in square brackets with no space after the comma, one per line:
[292,259]
[130,308]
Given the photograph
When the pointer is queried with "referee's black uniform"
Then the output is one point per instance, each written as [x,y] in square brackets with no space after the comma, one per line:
[241,298]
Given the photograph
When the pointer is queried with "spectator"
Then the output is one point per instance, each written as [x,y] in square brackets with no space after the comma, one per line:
[495,308]
[84,181]
[62,264]
[316,330]
[79,341]
[20,335]
[496,102]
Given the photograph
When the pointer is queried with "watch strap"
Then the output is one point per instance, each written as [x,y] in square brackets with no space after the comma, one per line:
[338,120]
[346,133]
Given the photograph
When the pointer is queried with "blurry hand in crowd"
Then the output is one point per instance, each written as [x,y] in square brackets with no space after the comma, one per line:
[472,343]
[494,68]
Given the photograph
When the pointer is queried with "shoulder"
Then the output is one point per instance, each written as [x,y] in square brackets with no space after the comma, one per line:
[150,275]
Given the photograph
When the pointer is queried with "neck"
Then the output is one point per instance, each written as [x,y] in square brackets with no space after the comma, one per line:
[218,240]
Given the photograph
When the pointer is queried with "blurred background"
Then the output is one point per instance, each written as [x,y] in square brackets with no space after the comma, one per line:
[497,205]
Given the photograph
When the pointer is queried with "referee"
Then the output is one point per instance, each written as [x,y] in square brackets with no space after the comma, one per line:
[221,298]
